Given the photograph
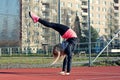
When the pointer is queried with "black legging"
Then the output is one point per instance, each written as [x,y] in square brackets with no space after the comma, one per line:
[71,42]
[58,27]
[69,50]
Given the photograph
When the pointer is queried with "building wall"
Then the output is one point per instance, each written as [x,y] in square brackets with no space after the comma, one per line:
[31,33]
[100,15]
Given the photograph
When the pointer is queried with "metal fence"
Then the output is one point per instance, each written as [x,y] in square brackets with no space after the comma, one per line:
[80,47]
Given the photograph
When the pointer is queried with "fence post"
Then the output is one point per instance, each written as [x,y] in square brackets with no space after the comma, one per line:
[0,52]
[19,52]
[10,50]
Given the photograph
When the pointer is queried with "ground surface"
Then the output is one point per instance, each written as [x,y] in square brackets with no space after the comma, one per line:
[77,73]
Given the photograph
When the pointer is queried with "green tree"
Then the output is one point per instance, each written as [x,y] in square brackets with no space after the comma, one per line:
[77,27]
[94,34]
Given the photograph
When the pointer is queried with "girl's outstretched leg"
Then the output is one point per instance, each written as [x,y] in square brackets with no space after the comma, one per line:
[56,26]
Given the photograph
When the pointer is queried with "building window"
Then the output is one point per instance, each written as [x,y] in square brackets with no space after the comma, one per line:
[36,41]
[28,33]
[62,4]
[99,22]
[97,1]
[116,14]
[84,18]
[116,1]
[84,10]
[26,8]
[36,0]
[70,19]
[92,7]
[77,6]
[91,1]
[69,12]
[91,15]
[98,8]
[27,1]
[116,8]
[77,0]
[78,13]
[36,9]
[84,24]
[36,33]
[92,22]
[28,41]
[98,30]
[84,2]
[36,25]
[27,23]
[103,16]
[104,2]
[104,9]
[69,4]
[103,23]
[26,15]
[62,11]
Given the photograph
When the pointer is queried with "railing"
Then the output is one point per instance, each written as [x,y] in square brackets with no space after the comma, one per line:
[80,47]
[9,50]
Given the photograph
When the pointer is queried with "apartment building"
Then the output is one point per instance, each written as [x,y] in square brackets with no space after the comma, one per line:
[104,17]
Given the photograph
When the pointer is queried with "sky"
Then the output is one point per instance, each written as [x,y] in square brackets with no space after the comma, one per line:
[9,10]
[9,6]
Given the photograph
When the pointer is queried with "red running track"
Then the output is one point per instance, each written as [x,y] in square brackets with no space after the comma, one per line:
[77,73]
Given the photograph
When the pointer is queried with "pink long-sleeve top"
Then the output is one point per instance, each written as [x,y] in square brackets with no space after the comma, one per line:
[69,34]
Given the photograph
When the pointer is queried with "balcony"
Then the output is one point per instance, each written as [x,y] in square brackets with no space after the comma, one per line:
[116,17]
[45,1]
[84,0]
[84,6]
[84,14]
[116,4]
[116,1]
[116,11]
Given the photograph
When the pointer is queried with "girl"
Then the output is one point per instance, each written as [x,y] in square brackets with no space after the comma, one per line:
[68,34]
